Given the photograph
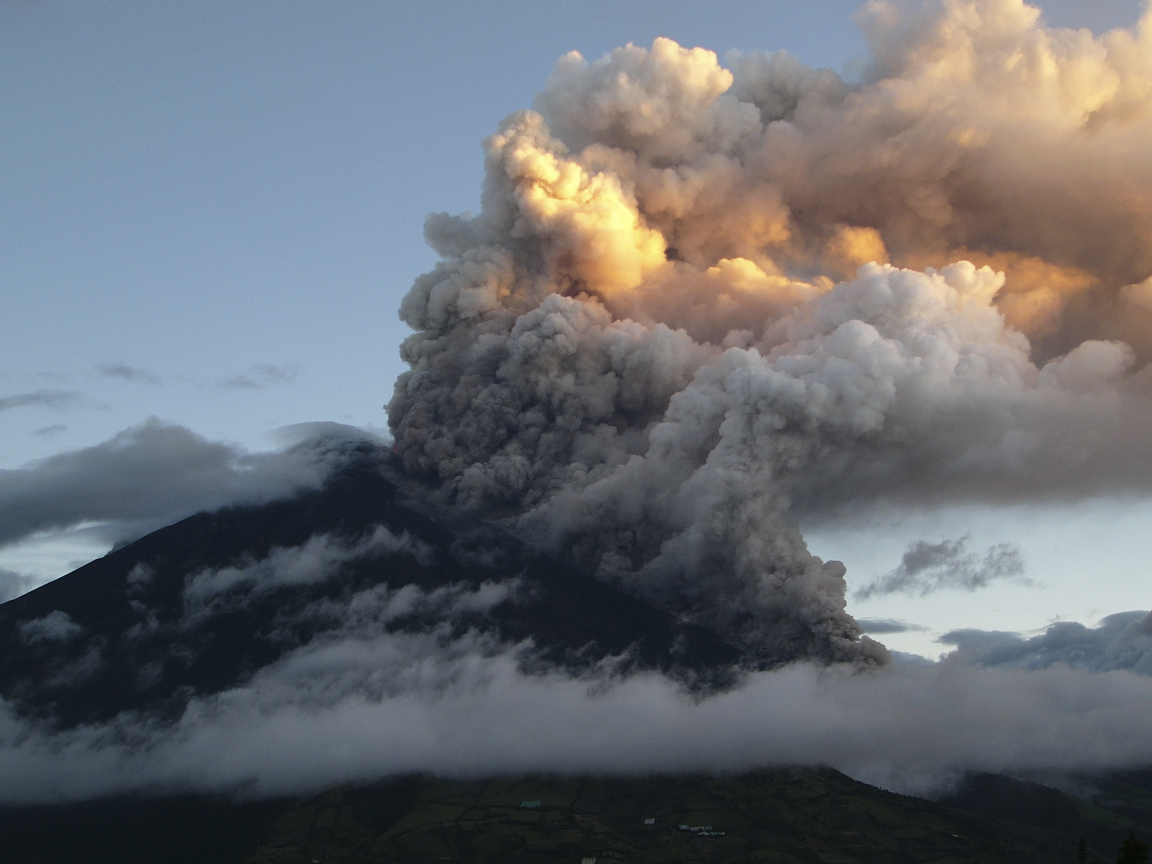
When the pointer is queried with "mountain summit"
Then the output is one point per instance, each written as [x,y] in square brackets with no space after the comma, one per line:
[221,598]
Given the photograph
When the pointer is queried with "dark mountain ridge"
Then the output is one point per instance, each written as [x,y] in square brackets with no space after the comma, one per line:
[200,606]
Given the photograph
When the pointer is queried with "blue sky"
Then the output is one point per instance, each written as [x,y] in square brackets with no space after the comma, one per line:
[196,191]
[211,212]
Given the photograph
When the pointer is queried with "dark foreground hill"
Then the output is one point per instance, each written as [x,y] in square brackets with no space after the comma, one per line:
[201,606]
[784,815]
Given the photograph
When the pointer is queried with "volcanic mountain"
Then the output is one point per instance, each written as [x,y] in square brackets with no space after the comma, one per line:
[204,605]
[361,586]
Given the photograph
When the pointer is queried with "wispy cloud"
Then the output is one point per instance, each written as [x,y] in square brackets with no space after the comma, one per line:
[930,567]
[45,398]
[128,373]
[887,625]
[54,429]
[261,376]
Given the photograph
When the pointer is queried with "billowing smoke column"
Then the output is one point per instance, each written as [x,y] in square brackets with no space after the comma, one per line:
[643,354]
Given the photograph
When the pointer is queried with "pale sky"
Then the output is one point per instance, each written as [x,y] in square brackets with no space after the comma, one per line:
[211,212]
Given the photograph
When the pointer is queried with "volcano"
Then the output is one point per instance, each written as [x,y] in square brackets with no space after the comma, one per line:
[357,586]
[204,605]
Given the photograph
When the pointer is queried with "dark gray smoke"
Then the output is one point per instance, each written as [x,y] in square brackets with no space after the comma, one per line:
[929,567]
[676,319]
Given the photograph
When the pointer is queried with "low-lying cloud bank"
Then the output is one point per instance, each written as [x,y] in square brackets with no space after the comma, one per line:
[365,706]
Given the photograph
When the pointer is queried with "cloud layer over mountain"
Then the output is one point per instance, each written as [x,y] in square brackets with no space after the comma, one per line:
[360,699]
[1121,641]
[371,704]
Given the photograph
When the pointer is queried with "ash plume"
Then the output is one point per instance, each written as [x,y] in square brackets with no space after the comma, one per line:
[697,298]
[929,567]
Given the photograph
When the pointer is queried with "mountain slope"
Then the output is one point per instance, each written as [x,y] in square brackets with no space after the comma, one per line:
[1111,806]
[779,815]
[201,606]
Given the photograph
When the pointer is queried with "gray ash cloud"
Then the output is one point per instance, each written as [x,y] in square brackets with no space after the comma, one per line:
[948,565]
[697,298]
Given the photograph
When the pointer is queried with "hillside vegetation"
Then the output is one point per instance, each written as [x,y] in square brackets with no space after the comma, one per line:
[782,815]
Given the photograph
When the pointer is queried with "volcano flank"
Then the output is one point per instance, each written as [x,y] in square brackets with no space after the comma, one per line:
[201,606]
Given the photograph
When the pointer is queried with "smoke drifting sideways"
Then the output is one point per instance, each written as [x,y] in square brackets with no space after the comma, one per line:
[152,475]
[928,567]
[699,301]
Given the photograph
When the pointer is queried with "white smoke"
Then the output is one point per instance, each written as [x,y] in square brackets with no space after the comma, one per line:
[644,354]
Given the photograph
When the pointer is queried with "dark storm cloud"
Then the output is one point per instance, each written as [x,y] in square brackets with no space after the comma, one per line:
[930,567]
